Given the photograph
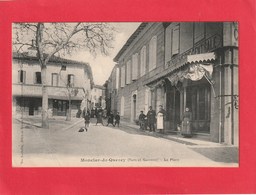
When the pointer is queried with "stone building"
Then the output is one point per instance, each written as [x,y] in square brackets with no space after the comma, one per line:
[179,65]
[66,80]
[98,97]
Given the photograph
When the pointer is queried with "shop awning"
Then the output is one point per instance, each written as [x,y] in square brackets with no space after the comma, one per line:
[187,67]
[201,58]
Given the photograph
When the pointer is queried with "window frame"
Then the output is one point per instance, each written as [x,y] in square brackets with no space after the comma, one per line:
[69,83]
[23,74]
[57,79]
[38,78]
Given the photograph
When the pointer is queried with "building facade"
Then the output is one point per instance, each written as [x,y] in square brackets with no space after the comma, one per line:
[66,80]
[98,97]
[179,65]
[111,90]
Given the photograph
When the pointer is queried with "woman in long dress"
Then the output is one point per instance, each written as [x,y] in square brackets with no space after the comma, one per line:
[160,119]
[186,123]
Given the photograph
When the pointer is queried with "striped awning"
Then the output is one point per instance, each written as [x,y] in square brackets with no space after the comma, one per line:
[201,58]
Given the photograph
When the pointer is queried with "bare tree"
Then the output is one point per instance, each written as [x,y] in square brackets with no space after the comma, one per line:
[50,39]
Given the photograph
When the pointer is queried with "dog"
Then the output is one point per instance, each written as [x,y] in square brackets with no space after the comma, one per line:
[82,129]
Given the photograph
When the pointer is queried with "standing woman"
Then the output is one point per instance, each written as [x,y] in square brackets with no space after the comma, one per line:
[160,119]
[186,123]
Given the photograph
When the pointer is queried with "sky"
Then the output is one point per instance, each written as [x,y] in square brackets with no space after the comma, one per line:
[103,65]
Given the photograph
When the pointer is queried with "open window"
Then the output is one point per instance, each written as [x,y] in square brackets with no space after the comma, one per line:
[38,79]
[22,76]
[71,79]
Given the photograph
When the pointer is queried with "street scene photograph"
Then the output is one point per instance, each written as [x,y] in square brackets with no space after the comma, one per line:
[125,94]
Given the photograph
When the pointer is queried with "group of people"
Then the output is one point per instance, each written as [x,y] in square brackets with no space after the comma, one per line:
[113,120]
[152,118]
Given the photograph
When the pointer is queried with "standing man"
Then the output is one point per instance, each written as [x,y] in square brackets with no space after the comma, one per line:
[111,119]
[151,116]
[99,118]
[117,119]
[86,116]
[160,119]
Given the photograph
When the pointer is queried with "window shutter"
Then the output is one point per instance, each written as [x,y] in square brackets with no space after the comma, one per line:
[199,31]
[134,66]
[152,53]
[122,76]
[175,40]
[54,79]
[168,44]
[128,72]
[117,78]
[143,61]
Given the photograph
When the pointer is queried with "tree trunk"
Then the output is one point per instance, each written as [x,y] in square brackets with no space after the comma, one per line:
[45,122]
[69,106]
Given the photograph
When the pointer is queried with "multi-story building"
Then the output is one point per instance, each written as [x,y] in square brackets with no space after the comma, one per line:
[179,65]
[66,80]
[111,90]
[98,97]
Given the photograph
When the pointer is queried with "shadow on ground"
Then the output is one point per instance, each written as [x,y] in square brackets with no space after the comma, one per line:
[219,154]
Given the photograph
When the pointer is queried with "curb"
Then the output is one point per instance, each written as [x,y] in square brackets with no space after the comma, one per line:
[28,123]
[178,139]
[72,125]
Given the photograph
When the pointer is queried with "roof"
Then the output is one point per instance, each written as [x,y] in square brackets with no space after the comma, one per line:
[55,59]
[130,40]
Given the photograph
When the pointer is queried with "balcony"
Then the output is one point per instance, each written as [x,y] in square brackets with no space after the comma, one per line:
[28,90]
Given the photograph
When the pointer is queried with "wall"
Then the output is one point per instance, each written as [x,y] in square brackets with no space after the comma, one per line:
[139,86]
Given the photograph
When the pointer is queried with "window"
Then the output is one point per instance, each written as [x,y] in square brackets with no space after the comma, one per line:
[175,40]
[22,76]
[38,79]
[143,61]
[70,82]
[199,31]
[54,79]
[134,66]
[122,76]
[152,53]
[128,72]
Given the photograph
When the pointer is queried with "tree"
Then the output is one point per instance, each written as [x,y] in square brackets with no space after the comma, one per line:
[50,39]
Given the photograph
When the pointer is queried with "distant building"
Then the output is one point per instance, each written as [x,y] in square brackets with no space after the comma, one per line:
[111,90]
[64,77]
[179,65]
[98,97]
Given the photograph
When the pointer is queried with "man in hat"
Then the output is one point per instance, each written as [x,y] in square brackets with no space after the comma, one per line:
[151,116]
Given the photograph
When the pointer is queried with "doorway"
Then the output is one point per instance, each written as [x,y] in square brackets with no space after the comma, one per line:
[134,102]
[173,107]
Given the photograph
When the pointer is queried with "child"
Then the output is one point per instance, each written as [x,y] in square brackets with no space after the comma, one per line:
[142,118]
